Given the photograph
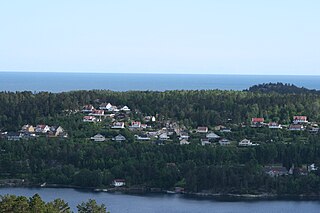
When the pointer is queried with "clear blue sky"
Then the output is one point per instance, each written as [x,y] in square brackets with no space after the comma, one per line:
[163,36]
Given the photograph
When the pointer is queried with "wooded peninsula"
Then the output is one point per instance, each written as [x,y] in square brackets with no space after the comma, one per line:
[263,140]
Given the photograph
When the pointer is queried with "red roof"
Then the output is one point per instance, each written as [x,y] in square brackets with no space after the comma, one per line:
[257,120]
[98,112]
[303,118]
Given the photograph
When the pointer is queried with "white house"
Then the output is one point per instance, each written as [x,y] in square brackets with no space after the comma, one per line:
[42,128]
[274,125]
[105,106]
[224,142]
[149,118]
[205,141]
[164,136]
[184,135]
[119,182]
[98,138]
[125,108]
[142,137]
[312,167]
[212,135]
[119,138]
[184,142]
[118,125]
[113,109]
[246,142]
[226,129]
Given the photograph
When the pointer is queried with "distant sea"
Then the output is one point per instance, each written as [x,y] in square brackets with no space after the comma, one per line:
[59,82]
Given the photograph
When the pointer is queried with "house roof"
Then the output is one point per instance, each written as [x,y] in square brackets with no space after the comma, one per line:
[118,123]
[88,107]
[303,118]
[98,112]
[295,126]
[98,136]
[254,120]
[88,117]
[202,128]
[120,137]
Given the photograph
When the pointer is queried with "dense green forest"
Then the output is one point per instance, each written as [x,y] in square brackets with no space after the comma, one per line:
[22,204]
[192,108]
[80,162]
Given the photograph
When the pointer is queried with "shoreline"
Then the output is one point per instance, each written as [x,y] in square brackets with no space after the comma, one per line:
[228,197]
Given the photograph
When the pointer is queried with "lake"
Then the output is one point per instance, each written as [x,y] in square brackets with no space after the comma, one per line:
[163,203]
[59,82]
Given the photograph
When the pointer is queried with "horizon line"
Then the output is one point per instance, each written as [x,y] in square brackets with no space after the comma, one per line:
[156,73]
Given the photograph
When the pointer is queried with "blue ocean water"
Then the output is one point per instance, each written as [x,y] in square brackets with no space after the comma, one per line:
[58,82]
[162,203]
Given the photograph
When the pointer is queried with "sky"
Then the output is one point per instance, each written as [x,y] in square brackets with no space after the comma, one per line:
[163,36]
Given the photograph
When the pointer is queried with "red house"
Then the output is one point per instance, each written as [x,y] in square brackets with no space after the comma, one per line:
[257,122]
[300,119]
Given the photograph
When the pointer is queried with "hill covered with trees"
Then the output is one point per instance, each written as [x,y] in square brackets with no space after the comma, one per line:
[281,88]
[196,167]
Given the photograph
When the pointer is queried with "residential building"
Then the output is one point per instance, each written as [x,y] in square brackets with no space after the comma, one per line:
[184,135]
[142,137]
[119,138]
[97,113]
[98,138]
[225,129]
[149,118]
[205,141]
[119,182]
[275,171]
[212,136]
[87,108]
[42,128]
[202,129]
[184,142]
[125,109]
[300,119]
[224,142]
[118,125]
[246,142]
[135,125]
[28,128]
[296,127]
[89,119]
[14,136]
[257,122]
[164,136]
[105,106]
[274,125]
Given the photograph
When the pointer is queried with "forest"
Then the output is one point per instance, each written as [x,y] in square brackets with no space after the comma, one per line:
[76,161]
[19,204]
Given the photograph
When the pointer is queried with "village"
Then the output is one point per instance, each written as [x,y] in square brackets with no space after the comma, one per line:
[157,130]
[151,128]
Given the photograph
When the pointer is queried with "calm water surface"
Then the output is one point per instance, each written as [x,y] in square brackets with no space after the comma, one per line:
[118,203]
[58,82]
